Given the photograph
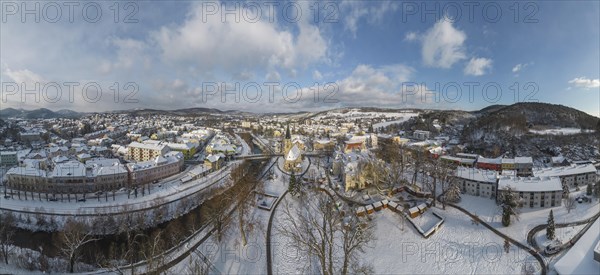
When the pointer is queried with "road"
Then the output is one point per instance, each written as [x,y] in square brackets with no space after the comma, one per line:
[533,243]
[171,192]
[529,250]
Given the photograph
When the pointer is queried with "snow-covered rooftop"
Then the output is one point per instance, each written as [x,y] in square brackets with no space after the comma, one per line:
[479,175]
[523,160]
[489,160]
[530,184]
[28,171]
[69,169]
[293,154]
[565,171]
[148,146]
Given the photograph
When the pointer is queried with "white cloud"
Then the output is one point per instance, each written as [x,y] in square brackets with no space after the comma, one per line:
[24,76]
[210,44]
[273,76]
[317,75]
[584,82]
[383,86]
[521,66]
[517,68]
[411,36]
[373,11]
[478,66]
[443,45]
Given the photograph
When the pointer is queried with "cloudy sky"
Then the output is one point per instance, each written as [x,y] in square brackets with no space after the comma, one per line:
[303,55]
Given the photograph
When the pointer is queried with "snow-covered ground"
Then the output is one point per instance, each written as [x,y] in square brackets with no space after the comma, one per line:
[580,258]
[488,211]
[230,256]
[286,258]
[459,247]
[560,131]
[357,113]
[403,118]
[563,235]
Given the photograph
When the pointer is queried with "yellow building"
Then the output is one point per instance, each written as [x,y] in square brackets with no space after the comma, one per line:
[144,152]
[187,149]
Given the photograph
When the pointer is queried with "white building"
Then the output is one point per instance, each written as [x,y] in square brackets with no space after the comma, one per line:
[477,182]
[156,169]
[571,176]
[421,135]
[533,191]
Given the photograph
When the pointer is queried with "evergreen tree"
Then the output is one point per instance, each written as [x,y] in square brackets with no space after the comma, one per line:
[550,229]
[589,189]
[293,186]
[509,206]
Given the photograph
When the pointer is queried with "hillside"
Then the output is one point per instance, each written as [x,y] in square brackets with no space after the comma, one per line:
[38,113]
[539,129]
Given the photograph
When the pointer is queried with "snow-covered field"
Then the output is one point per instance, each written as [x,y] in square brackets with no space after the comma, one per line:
[357,113]
[388,123]
[459,247]
[560,131]
[229,256]
[286,258]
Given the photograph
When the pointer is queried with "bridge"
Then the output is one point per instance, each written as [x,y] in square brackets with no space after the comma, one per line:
[258,156]
[268,156]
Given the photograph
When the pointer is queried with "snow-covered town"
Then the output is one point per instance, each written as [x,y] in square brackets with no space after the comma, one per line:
[299,137]
[249,193]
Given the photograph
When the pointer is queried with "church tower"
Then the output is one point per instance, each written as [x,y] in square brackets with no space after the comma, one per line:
[287,141]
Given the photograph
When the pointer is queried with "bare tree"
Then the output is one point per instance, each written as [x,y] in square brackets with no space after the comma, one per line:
[317,228]
[450,189]
[217,212]
[74,236]
[418,161]
[153,249]
[570,203]
[197,266]
[355,235]
[243,197]
[7,234]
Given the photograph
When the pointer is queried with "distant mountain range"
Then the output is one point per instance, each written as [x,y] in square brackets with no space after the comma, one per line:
[38,113]
[494,116]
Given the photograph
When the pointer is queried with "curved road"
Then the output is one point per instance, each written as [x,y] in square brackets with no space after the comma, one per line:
[533,253]
[531,234]
[270,224]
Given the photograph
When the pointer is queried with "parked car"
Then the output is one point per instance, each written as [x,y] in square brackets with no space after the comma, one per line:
[552,249]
